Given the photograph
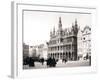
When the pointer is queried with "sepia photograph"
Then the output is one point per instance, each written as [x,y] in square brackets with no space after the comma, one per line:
[56,39]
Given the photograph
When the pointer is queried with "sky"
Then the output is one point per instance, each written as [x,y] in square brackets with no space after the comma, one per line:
[37,25]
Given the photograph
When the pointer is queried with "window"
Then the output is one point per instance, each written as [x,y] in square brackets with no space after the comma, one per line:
[84,38]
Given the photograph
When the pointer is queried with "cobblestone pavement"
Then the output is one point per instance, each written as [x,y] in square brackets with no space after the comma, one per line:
[60,64]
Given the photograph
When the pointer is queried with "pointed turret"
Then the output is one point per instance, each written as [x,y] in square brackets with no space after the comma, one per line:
[50,33]
[60,23]
[60,27]
[72,25]
[76,26]
[72,30]
[76,22]
[54,30]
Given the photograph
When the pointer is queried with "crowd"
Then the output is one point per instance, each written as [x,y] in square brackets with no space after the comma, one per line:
[50,62]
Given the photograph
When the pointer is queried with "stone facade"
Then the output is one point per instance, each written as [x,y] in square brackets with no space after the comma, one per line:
[39,51]
[32,51]
[63,42]
[80,44]
[84,42]
[86,36]
[25,50]
[42,50]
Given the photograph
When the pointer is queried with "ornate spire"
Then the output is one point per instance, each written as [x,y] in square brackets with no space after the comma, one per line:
[76,26]
[72,25]
[75,22]
[51,33]
[59,19]
[54,30]
[60,23]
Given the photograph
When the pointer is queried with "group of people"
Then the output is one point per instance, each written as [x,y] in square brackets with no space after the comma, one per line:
[29,61]
[50,62]
[64,60]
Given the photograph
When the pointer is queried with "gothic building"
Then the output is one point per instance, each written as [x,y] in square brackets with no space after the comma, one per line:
[84,42]
[63,42]
[86,38]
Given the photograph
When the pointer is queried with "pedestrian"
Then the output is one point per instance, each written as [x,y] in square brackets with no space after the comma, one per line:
[42,61]
[49,60]
[31,62]
[65,60]
[53,62]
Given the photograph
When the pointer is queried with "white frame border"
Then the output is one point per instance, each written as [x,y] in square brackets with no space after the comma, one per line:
[17,38]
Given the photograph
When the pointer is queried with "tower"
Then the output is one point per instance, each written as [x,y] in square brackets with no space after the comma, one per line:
[60,27]
[76,22]
[50,33]
[76,26]
[54,30]
[60,23]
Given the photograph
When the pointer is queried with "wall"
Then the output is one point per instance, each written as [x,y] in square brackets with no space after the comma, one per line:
[5,41]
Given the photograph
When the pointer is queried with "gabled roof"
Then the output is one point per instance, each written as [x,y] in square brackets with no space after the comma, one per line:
[86,27]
